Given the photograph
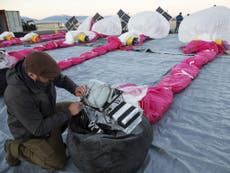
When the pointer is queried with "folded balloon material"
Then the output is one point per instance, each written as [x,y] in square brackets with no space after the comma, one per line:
[110,102]
[6,60]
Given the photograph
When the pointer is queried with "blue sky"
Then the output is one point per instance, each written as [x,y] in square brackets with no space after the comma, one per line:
[43,8]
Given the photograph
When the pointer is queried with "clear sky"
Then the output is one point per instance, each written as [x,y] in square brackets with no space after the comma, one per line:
[43,8]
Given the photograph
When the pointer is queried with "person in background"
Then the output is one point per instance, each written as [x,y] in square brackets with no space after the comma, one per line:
[35,120]
[179,19]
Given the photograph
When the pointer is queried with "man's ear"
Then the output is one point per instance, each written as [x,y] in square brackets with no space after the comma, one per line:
[32,75]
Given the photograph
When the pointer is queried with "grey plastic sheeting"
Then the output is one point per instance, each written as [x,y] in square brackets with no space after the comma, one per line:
[193,135]
[98,42]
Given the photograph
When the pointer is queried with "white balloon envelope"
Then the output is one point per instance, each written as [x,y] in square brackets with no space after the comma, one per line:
[85,25]
[108,26]
[149,23]
[209,25]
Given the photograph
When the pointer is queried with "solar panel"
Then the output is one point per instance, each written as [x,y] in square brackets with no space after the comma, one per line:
[72,24]
[164,13]
[97,17]
[167,16]
[124,20]
[160,10]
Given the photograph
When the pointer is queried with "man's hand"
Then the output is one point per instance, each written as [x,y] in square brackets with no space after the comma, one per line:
[81,90]
[75,108]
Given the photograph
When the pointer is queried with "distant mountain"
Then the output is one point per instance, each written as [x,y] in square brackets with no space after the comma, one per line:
[81,18]
[28,18]
[56,18]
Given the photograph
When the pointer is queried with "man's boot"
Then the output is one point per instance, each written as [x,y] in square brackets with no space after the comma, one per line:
[11,160]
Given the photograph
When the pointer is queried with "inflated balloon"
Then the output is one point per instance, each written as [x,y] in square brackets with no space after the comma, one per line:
[211,24]
[108,26]
[85,25]
[149,23]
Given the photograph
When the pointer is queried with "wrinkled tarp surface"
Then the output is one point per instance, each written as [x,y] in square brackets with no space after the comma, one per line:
[192,136]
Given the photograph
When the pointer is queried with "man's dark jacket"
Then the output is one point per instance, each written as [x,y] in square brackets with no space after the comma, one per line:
[179,18]
[31,105]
